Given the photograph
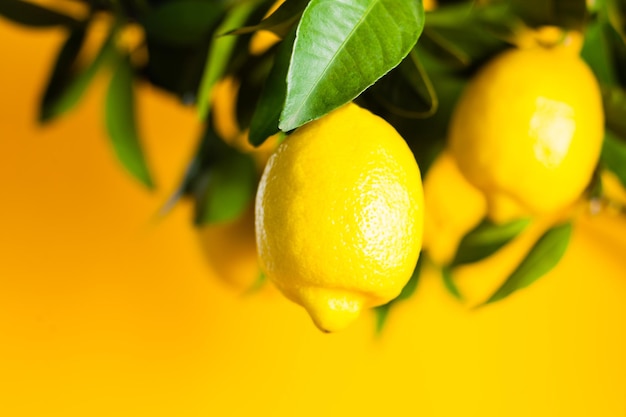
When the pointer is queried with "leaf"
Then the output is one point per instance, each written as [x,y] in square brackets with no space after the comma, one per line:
[486,239]
[407,90]
[227,190]
[596,52]
[342,48]
[219,54]
[30,14]
[182,22]
[266,115]
[66,87]
[280,22]
[382,311]
[569,14]
[614,101]
[614,156]
[121,125]
[61,72]
[544,256]
[448,282]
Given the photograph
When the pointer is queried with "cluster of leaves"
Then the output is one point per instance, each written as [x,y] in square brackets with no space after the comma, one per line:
[390,56]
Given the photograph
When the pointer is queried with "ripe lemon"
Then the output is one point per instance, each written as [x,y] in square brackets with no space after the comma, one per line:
[339,216]
[224,116]
[452,208]
[527,131]
[230,249]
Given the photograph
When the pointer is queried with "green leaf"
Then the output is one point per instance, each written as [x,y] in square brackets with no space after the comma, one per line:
[266,115]
[486,239]
[227,188]
[382,311]
[614,101]
[569,14]
[219,54]
[448,282]
[121,125]
[614,156]
[597,52]
[67,84]
[280,22]
[544,256]
[30,14]
[342,48]
[407,90]
[182,22]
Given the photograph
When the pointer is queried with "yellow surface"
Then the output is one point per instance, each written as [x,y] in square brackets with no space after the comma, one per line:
[340,215]
[105,313]
[524,135]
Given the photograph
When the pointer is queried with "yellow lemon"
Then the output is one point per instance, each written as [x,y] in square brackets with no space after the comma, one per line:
[224,116]
[339,215]
[263,40]
[528,130]
[452,208]
[230,249]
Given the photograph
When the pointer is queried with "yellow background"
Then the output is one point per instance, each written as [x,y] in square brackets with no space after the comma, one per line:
[106,312]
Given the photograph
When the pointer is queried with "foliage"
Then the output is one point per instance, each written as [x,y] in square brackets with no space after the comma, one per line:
[390,56]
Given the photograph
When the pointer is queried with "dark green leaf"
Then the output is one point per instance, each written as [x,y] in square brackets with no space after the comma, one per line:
[63,68]
[343,48]
[486,239]
[614,156]
[68,84]
[614,101]
[31,14]
[182,22]
[382,311]
[220,52]
[569,14]
[596,52]
[544,256]
[121,125]
[281,21]
[227,190]
[407,90]
[448,282]
[264,121]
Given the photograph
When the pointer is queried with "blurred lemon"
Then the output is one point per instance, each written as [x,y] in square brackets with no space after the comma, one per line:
[452,208]
[339,215]
[231,251]
[528,131]
[224,110]
[262,40]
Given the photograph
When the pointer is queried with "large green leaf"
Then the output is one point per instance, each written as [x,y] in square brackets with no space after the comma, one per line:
[486,239]
[182,22]
[220,52]
[121,124]
[67,83]
[343,47]
[31,14]
[597,52]
[544,256]
[266,115]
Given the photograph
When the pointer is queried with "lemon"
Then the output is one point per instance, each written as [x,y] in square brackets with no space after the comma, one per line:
[452,208]
[339,215]
[230,249]
[262,40]
[528,130]
[226,125]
